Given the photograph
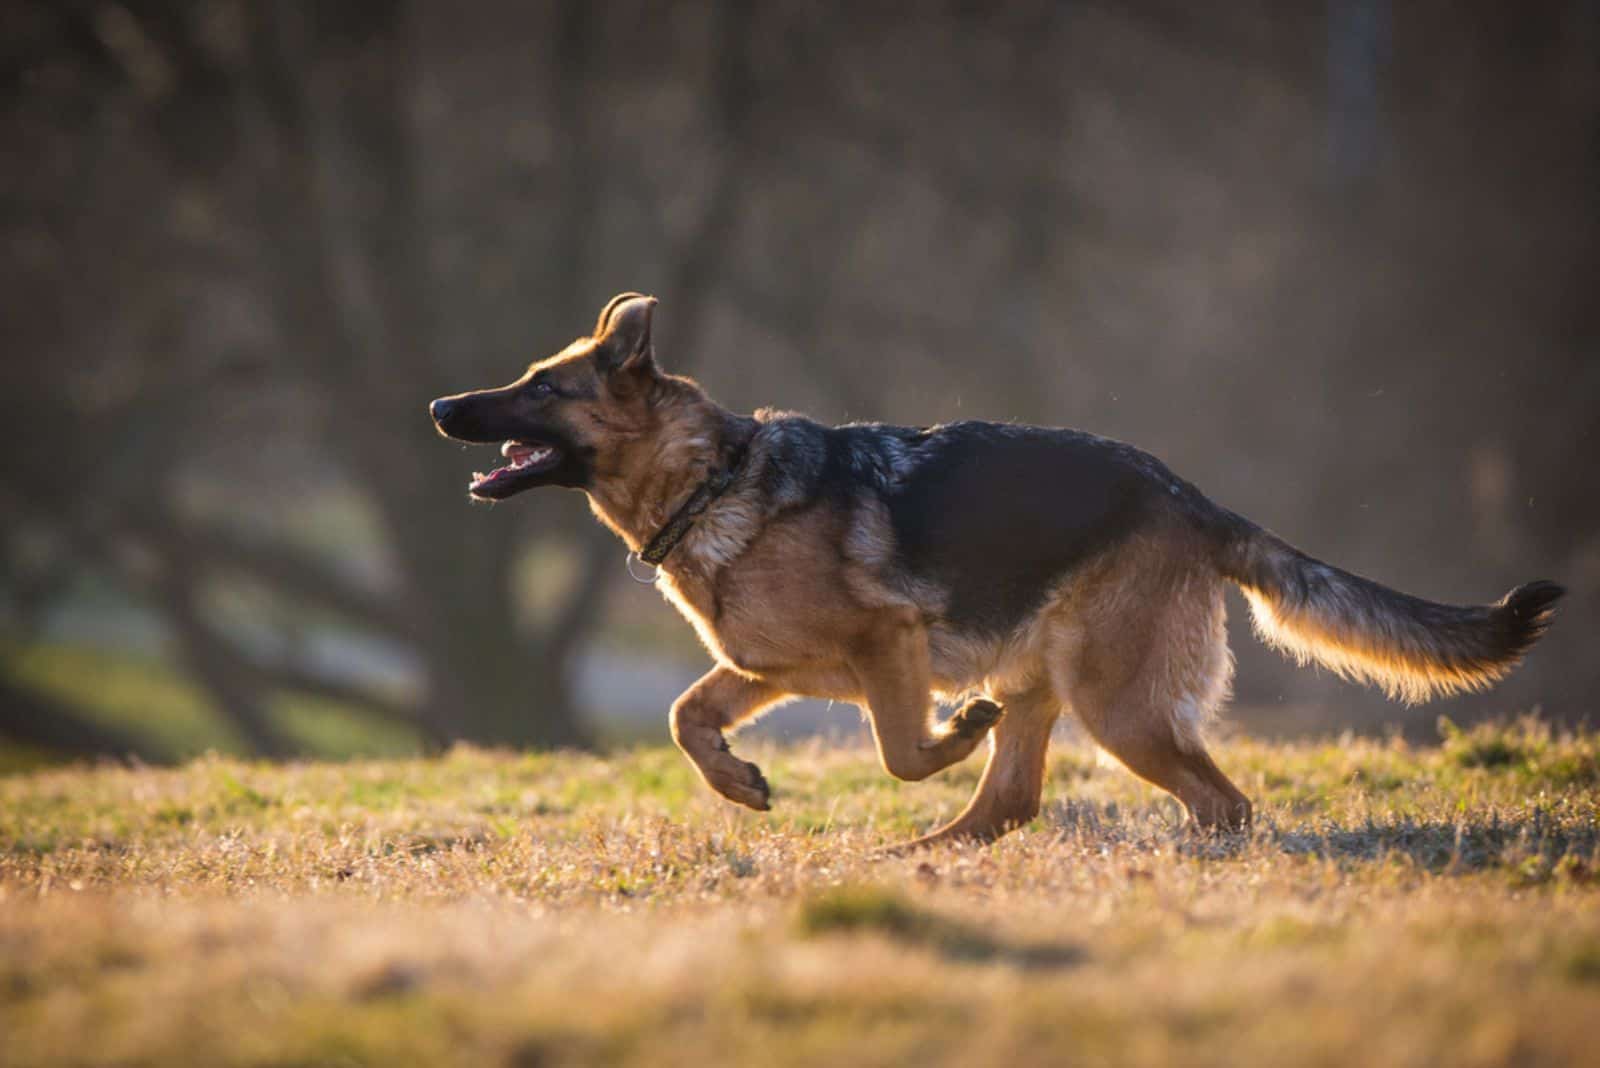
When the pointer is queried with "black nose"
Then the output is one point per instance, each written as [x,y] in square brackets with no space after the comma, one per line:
[441,409]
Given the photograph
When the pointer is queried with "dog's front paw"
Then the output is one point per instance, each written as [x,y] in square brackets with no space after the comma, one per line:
[737,780]
[741,781]
[975,718]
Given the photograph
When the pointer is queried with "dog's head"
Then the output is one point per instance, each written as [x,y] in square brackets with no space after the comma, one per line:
[573,417]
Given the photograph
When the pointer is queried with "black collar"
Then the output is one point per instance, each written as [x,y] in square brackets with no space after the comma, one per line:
[704,496]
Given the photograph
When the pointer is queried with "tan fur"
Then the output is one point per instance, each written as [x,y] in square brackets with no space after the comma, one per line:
[1312,638]
[812,600]
[800,590]
[1134,644]
[1141,657]
[1361,630]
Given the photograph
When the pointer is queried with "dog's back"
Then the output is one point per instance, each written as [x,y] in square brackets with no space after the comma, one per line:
[998,514]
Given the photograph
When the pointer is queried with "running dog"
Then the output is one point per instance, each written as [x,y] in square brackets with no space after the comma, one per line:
[1029,570]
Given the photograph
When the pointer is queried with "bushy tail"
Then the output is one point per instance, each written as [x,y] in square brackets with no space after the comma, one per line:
[1413,649]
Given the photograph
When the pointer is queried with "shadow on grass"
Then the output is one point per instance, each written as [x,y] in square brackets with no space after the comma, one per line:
[1439,846]
[1527,844]
[874,910]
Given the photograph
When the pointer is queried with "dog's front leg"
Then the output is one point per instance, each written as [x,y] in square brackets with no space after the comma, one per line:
[892,666]
[720,699]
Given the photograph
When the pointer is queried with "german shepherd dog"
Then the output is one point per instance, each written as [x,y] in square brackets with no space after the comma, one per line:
[1027,570]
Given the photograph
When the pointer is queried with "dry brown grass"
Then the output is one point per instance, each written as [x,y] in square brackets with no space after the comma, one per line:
[1394,906]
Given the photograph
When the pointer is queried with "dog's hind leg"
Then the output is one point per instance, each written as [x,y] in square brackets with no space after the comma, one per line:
[1138,734]
[1143,685]
[893,672]
[1008,795]
[720,699]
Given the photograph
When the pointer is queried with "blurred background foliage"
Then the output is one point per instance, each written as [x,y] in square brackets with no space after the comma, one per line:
[1335,263]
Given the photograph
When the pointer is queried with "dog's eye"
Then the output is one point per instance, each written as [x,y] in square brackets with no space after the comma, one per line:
[542,389]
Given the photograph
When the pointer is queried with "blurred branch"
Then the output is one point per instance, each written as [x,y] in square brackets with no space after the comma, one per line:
[298,574]
[215,664]
[289,677]
[294,215]
[733,96]
[236,681]
[35,719]
[582,607]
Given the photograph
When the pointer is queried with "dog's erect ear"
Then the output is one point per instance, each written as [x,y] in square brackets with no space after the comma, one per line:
[623,332]
[612,305]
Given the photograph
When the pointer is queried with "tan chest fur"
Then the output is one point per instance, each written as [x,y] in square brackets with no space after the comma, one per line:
[770,601]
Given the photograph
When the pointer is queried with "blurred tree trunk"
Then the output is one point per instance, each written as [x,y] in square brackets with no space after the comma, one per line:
[354,298]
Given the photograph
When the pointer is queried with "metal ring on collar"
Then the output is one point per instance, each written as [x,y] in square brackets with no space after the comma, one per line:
[650,580]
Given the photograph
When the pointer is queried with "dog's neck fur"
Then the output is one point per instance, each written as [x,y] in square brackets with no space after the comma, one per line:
[685,440]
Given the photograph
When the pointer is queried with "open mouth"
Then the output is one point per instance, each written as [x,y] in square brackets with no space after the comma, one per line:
[526,459]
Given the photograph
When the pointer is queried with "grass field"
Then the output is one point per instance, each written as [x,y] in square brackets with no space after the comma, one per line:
[1394,905]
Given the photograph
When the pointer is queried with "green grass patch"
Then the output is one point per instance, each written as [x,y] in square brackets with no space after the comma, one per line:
[877,910]
[174,721]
